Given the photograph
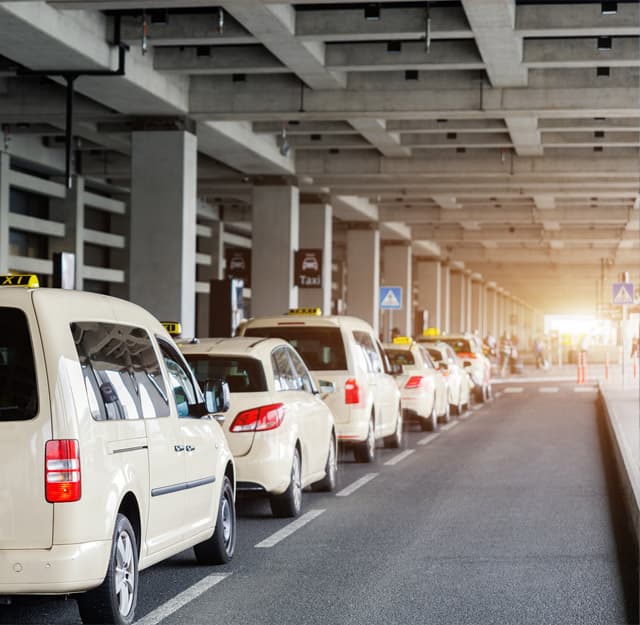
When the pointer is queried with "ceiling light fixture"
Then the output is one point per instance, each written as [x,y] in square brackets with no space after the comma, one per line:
[604,43]
[603,71]
[372,11]
[394,46]
[284,144]
[427,29]
[609,8]
[144,41]
[220,21]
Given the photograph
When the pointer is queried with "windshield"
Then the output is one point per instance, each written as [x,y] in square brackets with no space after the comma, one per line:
[321,348]
[18,394]
[243,375]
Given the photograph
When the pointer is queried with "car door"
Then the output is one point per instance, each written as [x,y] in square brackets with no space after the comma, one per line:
[198,440]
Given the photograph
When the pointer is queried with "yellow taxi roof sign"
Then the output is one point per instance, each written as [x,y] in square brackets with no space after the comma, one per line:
[402,340]
[172,327]
[317,312]
[29,280]
[431,332]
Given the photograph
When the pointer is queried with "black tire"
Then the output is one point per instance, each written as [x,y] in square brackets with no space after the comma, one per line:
[395,440]
[487,393]
[469,403]
[219,549]
[105,604]
[366,451]
[430,424]
[289,503]
[328,483]
[458,407]
[479,394]
[446,417]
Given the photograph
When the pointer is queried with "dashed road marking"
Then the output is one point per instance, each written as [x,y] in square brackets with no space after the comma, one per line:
[449,426]
[584,389]
[399,458]
[287,530]
[427,439]
[549,389]
[514,389]
[353,487]
[179,601]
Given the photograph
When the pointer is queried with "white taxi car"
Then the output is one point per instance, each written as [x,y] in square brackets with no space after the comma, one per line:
[280,432]
[109,458]
[345,352]
[424,393]
[458,379]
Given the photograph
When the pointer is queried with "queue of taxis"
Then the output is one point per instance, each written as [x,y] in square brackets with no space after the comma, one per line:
[459,381]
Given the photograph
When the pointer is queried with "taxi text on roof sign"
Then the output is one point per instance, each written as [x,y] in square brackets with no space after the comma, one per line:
[402,340]
[172,327]
[305,311]
[26,279]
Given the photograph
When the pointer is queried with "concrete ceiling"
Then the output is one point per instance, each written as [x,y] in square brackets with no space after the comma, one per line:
[501,134]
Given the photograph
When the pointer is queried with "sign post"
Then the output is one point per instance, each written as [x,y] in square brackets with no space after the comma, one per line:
[622,295]
[390,299]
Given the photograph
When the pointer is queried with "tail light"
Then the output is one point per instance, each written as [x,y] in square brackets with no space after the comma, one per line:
[351,391]
[259,419]
[415,381]
[62,471]
[469,355]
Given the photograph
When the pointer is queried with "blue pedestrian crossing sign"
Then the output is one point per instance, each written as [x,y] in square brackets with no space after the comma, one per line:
[622,293]
[391,297]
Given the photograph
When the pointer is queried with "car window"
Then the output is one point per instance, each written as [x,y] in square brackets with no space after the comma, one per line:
[459,345]
[121,371]
[321,348]
[401,357]
[243,374]
[184,390]
[285,376]
[374,360]
[428,362]
[18,391]
[302,372]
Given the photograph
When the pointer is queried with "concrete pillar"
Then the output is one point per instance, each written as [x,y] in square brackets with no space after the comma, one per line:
[469,325]
[162,259]
[275,237]
[213,247]
[316,232]
[70,211]
[500,311]
[396,260]
[445,313]
[5,162]
[429,281]
[477,305]
[458,300]
[363,275]
[492,310]
[506,311]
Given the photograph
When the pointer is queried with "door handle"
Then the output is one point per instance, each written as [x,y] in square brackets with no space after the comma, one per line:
[178,448]
[190,448]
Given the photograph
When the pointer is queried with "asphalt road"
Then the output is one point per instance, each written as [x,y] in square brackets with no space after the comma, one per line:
[509,516]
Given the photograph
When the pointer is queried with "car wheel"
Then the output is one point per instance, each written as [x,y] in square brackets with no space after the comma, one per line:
[469,403]
[488,395]
[328,482]
[479,392]
[431,423]
[114,601]
[289,503]
[458,407]
[220,547]
[366,451]
[446,417]
[395,440]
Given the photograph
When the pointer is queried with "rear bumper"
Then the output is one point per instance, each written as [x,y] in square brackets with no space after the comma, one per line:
[59,570]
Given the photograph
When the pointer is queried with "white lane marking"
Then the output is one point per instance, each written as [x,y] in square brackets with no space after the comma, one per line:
[354,486]
[584,389]
[513,389]
[427,439]
[449,426]
[399,458]
[179,601]
[287,530]
[549,389]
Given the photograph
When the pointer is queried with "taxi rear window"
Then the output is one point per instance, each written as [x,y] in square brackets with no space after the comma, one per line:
[321,348]
[400,356]
[244,375]
[18,391]
[459,345]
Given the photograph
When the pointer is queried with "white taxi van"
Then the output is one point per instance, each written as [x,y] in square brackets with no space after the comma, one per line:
[458,378]
[109,460]
[280,432]
[345,352]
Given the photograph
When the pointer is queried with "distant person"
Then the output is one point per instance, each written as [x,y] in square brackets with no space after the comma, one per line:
[504,353]
[395,332]
[538,350]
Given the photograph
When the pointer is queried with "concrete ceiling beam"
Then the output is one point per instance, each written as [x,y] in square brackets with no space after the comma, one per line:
[352,208]
[537,255]
[306,128]
[394,231]
[375,133]
[569,53]
[525,135]
[329,142]
[455,140]
[544,202]
[420,126]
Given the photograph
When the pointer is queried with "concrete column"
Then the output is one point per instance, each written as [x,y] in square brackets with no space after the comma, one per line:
[492,310]
[458,300]
[316,232]
[70,211]
[214,247]
[162,259]
[477,305]
[506,311]
[5,162]
[468,297]
[445,313]
[500,311]
[275,237]
[429,281]
[396,260]
[363,275]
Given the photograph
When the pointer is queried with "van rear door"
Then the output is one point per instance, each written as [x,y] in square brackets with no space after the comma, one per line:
[26,519]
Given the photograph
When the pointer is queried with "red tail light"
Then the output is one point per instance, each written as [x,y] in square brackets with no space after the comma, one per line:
[466,355]
[62,479]
[351,391]
[259,419]
[415,381]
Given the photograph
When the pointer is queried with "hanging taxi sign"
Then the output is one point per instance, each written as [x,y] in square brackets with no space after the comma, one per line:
[431,332]
[20,279]
[317,312]
[172,327]
[402,340]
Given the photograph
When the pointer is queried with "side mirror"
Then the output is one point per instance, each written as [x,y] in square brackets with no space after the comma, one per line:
[109,395]
[326,387]
[216,395]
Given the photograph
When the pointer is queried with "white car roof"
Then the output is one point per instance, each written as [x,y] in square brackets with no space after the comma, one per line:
[237,346]
[341,321]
